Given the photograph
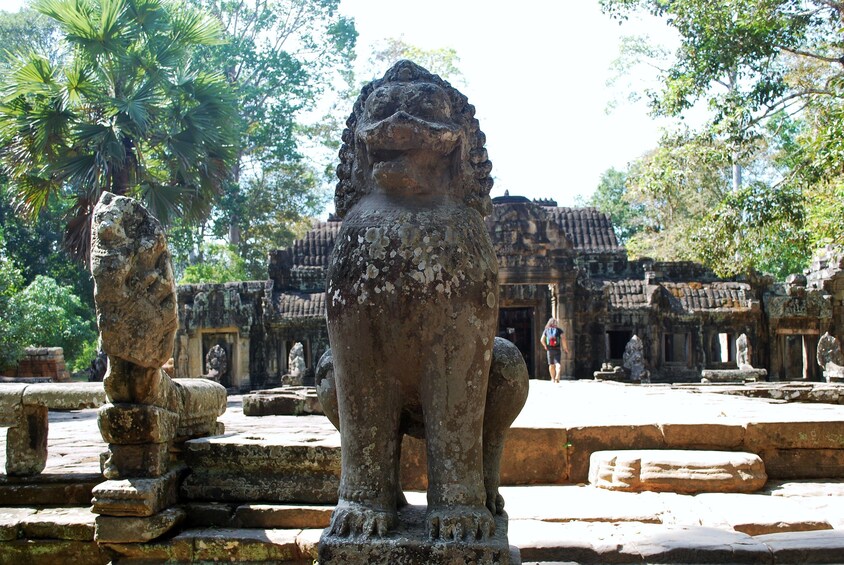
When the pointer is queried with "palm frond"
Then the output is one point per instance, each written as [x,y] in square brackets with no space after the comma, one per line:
[193,27]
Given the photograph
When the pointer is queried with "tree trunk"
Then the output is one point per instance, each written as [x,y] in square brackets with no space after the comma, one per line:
[736,174]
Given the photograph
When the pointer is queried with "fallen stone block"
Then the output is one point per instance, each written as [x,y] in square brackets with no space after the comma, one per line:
[681,471]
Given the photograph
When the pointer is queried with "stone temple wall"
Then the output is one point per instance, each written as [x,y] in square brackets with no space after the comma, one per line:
[553,261]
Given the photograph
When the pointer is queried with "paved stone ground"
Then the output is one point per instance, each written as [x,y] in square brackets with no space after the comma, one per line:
[787,522]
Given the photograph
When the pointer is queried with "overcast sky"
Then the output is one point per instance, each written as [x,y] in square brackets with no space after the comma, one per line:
[536,71]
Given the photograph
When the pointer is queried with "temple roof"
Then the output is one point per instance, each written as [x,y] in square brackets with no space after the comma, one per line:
[695,296]
[314,249]
[587,228]
[626,294]
[680,296]
[299,305]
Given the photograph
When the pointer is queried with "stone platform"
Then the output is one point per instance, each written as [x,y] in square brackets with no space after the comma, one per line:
[797,517]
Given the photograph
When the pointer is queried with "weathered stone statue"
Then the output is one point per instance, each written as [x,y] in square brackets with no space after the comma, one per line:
[412,301]
[634,361]
[216,363]
[296,365]
[744,354]
[830,358]
[134,292]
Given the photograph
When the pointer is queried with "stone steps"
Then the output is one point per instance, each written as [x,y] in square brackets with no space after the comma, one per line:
[784,523]
[261,466]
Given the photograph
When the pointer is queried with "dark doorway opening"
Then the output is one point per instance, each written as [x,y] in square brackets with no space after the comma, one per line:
[616,344]
[516,324]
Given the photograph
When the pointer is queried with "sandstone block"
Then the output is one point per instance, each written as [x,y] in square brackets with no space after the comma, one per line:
[49,489]
[26,441]
[60,523]
[803,463]
[11,396]
[242,469]
[531,456]
[246,546]
[585,542]
[585,441]
[209,514]
[129,529]
[703,436]
[137,497]
[677,471]
[51,552]
[66,396]
[794,435]
[202,401]
[127,424]
[144,460]
[278,516]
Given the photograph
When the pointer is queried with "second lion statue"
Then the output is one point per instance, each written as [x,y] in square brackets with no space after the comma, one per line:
[412,303]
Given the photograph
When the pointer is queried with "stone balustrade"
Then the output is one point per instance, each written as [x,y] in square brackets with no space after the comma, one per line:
[24,409]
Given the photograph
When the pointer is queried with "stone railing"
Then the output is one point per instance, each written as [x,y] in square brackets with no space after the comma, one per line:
[24,409]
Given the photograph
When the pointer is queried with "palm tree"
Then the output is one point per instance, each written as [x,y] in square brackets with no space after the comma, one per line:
[128,112]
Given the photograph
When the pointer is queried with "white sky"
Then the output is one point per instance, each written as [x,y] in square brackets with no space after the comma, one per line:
[536,71]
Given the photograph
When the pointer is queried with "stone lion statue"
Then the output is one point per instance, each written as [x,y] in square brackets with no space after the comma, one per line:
[412,302]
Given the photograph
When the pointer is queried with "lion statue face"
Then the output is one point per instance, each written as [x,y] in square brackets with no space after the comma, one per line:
[402,127]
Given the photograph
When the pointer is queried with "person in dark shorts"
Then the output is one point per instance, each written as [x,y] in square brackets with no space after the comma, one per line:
[554,344]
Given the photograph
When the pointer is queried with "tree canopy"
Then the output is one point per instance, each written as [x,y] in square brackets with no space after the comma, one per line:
[757,186]
[129,111]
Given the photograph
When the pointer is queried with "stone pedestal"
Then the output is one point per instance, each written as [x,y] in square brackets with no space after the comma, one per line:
[409,544]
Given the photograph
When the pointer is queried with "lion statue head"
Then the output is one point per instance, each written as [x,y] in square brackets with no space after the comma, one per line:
[452,128]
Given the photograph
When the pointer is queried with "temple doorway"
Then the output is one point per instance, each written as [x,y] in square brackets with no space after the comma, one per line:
[516,325]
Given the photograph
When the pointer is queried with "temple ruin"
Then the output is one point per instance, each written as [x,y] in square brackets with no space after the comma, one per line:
[553,261]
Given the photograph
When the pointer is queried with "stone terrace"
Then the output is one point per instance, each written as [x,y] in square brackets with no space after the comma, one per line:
[790,521]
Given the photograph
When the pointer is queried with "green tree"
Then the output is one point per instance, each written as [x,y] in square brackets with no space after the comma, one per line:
[611,198]
[11,281]
[29,31]
[279,57]
[220,264]
[130,112]
[443,61]
[770,74]
[51,315]
[35,246]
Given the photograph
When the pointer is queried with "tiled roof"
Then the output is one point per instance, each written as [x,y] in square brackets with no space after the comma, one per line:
[300,305]
[692,296]
[587,228]
[685,296]
[626,294]
[314,249]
